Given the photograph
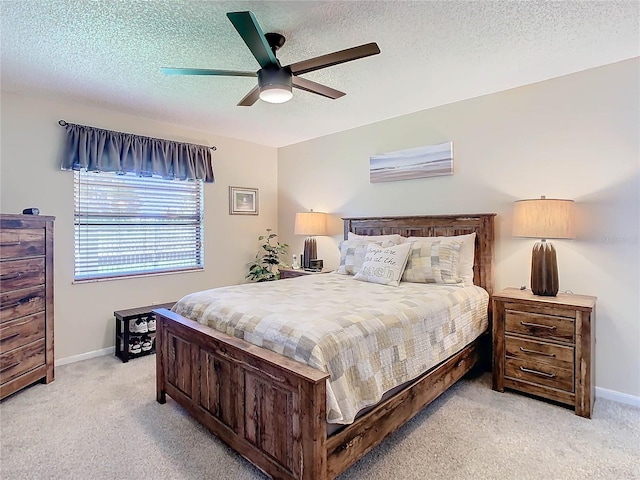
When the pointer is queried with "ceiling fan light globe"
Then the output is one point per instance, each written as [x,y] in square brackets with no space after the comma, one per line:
[275,85]
[276,94]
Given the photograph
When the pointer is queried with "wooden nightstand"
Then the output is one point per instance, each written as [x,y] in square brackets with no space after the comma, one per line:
[291,273]
[545,346]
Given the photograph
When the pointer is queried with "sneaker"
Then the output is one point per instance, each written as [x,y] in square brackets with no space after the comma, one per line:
[142,326]
[146,345]
[133,326]
[151,324]
[134,347]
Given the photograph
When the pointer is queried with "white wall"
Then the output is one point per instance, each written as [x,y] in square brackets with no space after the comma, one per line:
[573,137]
[30,177]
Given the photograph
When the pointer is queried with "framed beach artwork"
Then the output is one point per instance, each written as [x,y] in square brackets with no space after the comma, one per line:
[429,161]
[243,201]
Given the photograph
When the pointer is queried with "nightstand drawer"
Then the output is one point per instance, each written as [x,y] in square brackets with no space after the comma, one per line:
[541,352]
[24,273]
[547,327]
[292,273]
[21,360]
[539,373]
[22,331]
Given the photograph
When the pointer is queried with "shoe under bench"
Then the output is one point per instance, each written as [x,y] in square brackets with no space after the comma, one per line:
[124,335]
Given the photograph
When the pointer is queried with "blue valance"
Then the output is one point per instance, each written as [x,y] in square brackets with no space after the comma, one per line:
[101,150]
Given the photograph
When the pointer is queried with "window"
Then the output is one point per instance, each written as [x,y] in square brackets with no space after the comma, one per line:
[128,225]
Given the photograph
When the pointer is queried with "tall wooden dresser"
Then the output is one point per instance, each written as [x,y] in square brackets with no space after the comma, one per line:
[26,301]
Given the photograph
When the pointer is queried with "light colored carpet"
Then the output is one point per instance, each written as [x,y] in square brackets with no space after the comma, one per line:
[99,420]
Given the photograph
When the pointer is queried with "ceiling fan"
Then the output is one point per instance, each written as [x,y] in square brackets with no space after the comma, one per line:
[274,80]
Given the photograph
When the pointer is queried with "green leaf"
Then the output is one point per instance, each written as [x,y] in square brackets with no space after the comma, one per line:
[268,256]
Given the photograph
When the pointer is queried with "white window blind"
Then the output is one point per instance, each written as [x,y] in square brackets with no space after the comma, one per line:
[127,225]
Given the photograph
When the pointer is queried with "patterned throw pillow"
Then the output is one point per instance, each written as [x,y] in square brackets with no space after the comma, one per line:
[352,254]
[384,265]
[433,261]
[467,253]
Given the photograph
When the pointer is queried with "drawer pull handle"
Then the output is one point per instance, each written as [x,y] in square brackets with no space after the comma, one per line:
[526,350]
[10,244]
[10,276]
[10,367]
[5,339]
[11,305]
[536,372]
[537,325]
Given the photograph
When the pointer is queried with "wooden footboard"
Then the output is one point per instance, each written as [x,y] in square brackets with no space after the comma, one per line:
[268,408]
[272,410]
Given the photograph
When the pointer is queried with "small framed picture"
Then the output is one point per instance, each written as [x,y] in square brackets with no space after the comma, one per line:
[243,201]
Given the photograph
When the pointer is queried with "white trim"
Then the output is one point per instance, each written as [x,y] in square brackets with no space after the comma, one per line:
[85,356]
[617,396]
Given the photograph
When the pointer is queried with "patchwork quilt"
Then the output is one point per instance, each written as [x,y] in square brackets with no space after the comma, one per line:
[370,338]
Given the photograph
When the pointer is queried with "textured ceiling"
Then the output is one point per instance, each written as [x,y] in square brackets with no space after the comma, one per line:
[109,54]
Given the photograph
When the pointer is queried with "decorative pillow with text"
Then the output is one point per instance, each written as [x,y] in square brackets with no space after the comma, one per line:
[384,265]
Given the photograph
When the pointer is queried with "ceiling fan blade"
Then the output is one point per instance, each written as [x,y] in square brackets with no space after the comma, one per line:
[313,87]
[206,71]
[250,98]
[248,28]
[334,58]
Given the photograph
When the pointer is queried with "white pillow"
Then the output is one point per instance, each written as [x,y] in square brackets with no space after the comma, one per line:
[394,238]
[467,253]
[433,261]
[384,265]
[352,254]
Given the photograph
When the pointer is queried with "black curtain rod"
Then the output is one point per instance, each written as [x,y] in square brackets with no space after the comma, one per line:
[62,123]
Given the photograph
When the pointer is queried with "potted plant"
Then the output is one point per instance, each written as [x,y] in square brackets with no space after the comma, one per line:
[261,269]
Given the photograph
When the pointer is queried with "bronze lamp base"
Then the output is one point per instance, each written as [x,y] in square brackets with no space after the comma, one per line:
[310,252]
[544,270]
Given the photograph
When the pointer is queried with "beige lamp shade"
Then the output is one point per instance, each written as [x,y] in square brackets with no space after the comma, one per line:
[544,218]
[311,223]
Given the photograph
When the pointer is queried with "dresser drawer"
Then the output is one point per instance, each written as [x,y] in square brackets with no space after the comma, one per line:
[21,360]
[21,303]
[539,373]
[21,242]
[546,327]
[16,274]
[22,331]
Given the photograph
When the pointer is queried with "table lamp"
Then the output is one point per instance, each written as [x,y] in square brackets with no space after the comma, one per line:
[310,223]
[544,218]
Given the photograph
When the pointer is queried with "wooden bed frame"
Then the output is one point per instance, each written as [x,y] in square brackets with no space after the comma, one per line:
[271,409]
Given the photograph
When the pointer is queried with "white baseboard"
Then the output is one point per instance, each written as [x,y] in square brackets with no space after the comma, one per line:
[617,396]
[85,356]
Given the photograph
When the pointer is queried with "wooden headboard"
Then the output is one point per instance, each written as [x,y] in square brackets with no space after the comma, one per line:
[437,226]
